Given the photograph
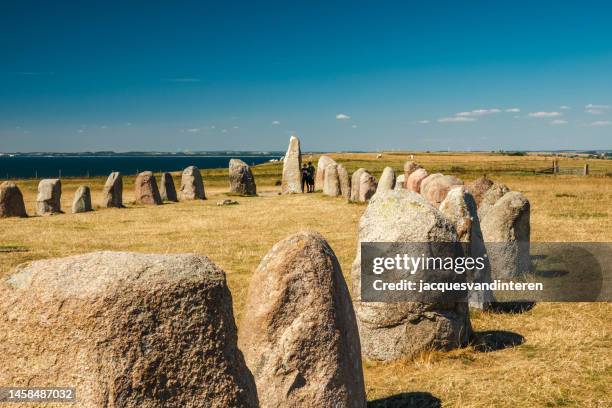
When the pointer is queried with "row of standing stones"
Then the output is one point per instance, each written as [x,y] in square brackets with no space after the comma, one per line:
[146,191]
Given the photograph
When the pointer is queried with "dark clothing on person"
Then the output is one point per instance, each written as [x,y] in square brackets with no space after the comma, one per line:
[305,179]
[311,176]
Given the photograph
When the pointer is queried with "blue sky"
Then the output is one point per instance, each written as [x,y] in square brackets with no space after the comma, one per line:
[359,75]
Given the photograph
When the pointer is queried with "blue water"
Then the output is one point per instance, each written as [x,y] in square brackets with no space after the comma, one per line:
[78,166]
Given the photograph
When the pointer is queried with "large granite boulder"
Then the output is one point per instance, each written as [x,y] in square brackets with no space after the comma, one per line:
[299,335]
[331,184]
[145,189]
[345,182]
[192,185]
[11,201]
[355,183]
[479,187]
[436,190]
[292,168]
[400,182]
[82,200]
[387,180]
[48,200]
[413,183]
[324,161]
[241,178]
[390,331]
[490,197]
[112,193]
[409,168]
[367,187]
[125,330]
[429,179]
[167,191]
[507,233]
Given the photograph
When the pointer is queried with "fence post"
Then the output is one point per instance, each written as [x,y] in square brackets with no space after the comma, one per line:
[586,170]
[555,166]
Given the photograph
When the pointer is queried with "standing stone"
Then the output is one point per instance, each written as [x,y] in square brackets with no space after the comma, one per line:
[126,330]
[367,186]
[345,182]
[192,186]
[11,201]
[436,190]
[82,200]
[413,183]
[479,187]
[167,192]
[112,194]
[299,334]
[48,200]
[459,206]
[390,331]
[387,180]
[331,185]
[490,197]
[241,178]
[324,161]
[145,189]
[292,168]
[409,168]
[400,182]
[507,232]
[428,180]
[355,183]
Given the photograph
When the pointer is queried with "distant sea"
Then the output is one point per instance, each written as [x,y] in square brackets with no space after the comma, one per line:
[81,166]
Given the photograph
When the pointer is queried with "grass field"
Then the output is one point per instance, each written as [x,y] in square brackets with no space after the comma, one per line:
[564,359]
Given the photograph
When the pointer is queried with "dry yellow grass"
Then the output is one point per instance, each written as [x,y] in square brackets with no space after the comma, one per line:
[565,359]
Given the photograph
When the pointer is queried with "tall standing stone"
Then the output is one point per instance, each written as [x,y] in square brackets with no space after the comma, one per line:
[429,179]
[387,180]
[436,190]
[82,200]
[345,182]
[292,168]
[400,182]
[11,201]
[507,233]
[324,161]
[331,184]
[241,178]
[460,207]
[409,168]
[167,191]
[416,178]
[488,199]
[126,330]
[355,183]
[299,334]
[390,331]
[112,194]
[48,200]
[192,185]
[145,189]
[367,187]
[479,187]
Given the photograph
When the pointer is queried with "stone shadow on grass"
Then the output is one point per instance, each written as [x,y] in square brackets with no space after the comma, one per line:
[519,306]
[407,400]
[493,340]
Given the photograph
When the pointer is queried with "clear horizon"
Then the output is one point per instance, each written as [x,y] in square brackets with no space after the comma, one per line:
[343,76]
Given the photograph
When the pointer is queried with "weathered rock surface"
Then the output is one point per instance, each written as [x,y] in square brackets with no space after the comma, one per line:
[331,184]
[292,168]
[390,331]
[367,186]
[490,197]
[429,179]
[145,189]
[227,201]
[345,182]
[387,180]
[413,183]
[126,330]
[400,182]
[322,164]
[409,168]
[167,191]
[241,178]
[435,191]
[299,334]
[192,185]
[355,183]
[459,206]
[11,201]
[507,233]
[112,193]
[82,200]
[479,187]
[48,200]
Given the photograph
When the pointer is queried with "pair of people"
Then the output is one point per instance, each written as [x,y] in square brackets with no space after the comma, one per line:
[308,176]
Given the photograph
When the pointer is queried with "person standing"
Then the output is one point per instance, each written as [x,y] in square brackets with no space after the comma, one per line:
[305,178]
[311,177]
